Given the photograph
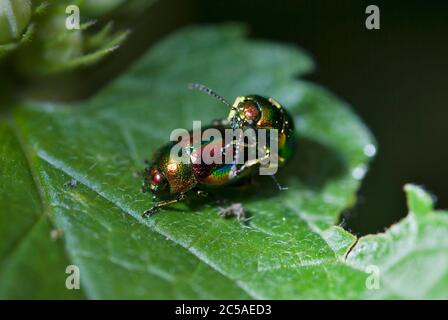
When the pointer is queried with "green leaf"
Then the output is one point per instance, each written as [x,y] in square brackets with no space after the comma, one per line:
[32,264]
[75,164]
[412,255]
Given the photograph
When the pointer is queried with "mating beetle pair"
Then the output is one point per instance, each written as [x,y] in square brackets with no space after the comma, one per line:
[170,180]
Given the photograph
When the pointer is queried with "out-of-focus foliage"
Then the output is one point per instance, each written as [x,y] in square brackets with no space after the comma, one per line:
[15,27]
[14,18]
[42,44]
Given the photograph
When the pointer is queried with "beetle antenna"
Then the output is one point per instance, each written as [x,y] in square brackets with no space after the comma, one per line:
[210,92]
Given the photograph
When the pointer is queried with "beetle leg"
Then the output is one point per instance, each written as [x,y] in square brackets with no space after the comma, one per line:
[237,143]
[280,187]
[162,204]
[253,181]
[249,164]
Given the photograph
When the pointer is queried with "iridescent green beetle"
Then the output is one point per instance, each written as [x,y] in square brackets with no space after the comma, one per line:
[170,180]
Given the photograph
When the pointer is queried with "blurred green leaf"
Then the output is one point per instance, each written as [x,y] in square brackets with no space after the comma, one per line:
[101,7]
[15,26]
[14,18]
[55,49]
[44,43]
[75,166]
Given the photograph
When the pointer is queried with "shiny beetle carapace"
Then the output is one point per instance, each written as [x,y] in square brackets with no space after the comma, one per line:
[171,180]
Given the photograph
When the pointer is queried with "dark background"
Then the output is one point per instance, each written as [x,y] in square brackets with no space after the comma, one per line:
[395,79]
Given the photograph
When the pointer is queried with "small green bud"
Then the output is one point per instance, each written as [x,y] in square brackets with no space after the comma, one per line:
[14,18]
[52,46]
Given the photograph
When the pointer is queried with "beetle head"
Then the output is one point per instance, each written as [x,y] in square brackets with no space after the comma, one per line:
[257,112]
[154,181]
[249,111]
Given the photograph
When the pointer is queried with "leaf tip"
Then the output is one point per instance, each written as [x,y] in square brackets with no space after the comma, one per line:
[419,201]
